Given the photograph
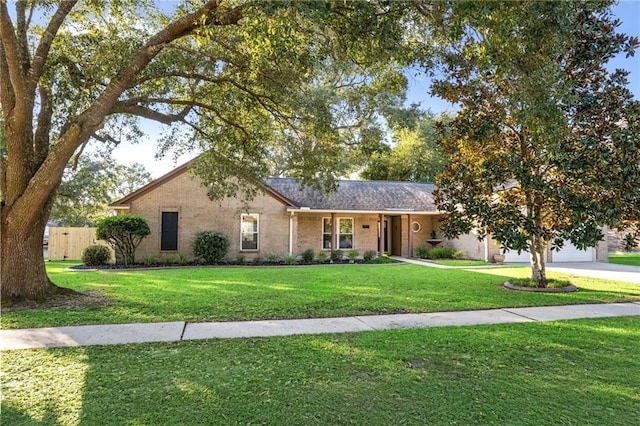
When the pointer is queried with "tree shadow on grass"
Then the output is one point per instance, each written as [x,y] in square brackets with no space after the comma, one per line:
[577,372]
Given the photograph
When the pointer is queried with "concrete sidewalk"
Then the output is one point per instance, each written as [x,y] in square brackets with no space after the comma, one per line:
[115,334]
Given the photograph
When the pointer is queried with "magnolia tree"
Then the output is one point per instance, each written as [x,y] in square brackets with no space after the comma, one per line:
[235,80]
[545,147]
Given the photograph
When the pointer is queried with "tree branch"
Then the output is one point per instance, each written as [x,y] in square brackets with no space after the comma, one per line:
[41,139]
[42,52]
[149,113]
[11,53]
[7,95]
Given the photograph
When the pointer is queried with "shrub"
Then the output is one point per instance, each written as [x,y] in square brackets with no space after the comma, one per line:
[290,259]
[210,246]
[180,259]
[123,233]
[422,252]
[256,260]
[322,256]
[369,255]
[241,258]
[336,255]
[150,260]
[308,255]
[458,254]
[441,253]
[273,257]
[353,254]
[96,255]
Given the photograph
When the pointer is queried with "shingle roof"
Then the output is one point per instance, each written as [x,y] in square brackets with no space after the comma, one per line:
[357,195]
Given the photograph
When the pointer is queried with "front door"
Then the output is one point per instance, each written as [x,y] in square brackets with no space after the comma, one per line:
[396,236]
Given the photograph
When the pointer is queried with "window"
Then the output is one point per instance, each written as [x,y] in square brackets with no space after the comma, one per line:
[169,234]
[249,232]
[344,233]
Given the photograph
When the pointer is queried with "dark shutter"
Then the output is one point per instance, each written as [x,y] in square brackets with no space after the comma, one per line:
[169,239]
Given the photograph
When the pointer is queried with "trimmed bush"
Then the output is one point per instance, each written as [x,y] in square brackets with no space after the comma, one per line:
[290,259]
[323,256]
[422,252]
[179,259]
[441,253]
[308,255]
[210,246]
[336,255]
[353,254]
[123,233]
[96,255]
[369,255]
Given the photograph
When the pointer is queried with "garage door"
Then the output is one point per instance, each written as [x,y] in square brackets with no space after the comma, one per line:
[570,253]
[514,257]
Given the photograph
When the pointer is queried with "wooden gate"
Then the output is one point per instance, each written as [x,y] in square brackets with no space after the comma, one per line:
[68,243]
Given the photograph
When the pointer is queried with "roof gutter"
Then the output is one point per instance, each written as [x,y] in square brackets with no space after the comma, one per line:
[389,212]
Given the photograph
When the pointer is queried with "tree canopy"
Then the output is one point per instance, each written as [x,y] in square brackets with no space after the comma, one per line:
[545,147]
[89,186]
[414,154]
[236,80]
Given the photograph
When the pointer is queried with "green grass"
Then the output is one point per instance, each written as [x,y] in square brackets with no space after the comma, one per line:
[625,259]
[460,262]
[570,372]
[245,293]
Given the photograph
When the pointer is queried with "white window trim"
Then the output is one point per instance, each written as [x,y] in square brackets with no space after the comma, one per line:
[337,241]
[257,232]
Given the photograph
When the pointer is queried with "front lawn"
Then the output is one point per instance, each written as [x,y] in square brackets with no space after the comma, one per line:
[569,372]
[246,293]
[625,259]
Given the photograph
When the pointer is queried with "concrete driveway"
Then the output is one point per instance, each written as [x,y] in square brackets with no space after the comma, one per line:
[610,271]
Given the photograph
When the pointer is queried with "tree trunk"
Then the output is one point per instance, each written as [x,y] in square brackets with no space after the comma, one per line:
[22,270]
[538,272]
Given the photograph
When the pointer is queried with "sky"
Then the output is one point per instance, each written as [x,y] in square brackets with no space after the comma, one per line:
[628,11]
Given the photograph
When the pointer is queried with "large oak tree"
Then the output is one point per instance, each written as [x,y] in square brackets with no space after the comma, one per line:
[236,80]
[546,145]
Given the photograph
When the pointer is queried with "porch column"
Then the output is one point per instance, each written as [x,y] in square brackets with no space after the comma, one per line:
[410,237]
[381,235]
[334,244]
[291,233]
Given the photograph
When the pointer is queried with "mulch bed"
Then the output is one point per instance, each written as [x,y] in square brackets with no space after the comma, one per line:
[566,289]
[112,266]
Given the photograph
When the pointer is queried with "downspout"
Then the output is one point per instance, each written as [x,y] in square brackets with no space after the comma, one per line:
[291,233]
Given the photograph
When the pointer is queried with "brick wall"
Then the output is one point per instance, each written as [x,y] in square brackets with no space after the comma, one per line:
[196,212]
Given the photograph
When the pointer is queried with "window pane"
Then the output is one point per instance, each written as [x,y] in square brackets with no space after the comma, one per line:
[345,241]
[250,241]
[326,241]
[169,231]
[346,226]
[326,225]
[249,232]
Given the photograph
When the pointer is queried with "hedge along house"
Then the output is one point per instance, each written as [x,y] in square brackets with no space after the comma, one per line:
[388,217]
